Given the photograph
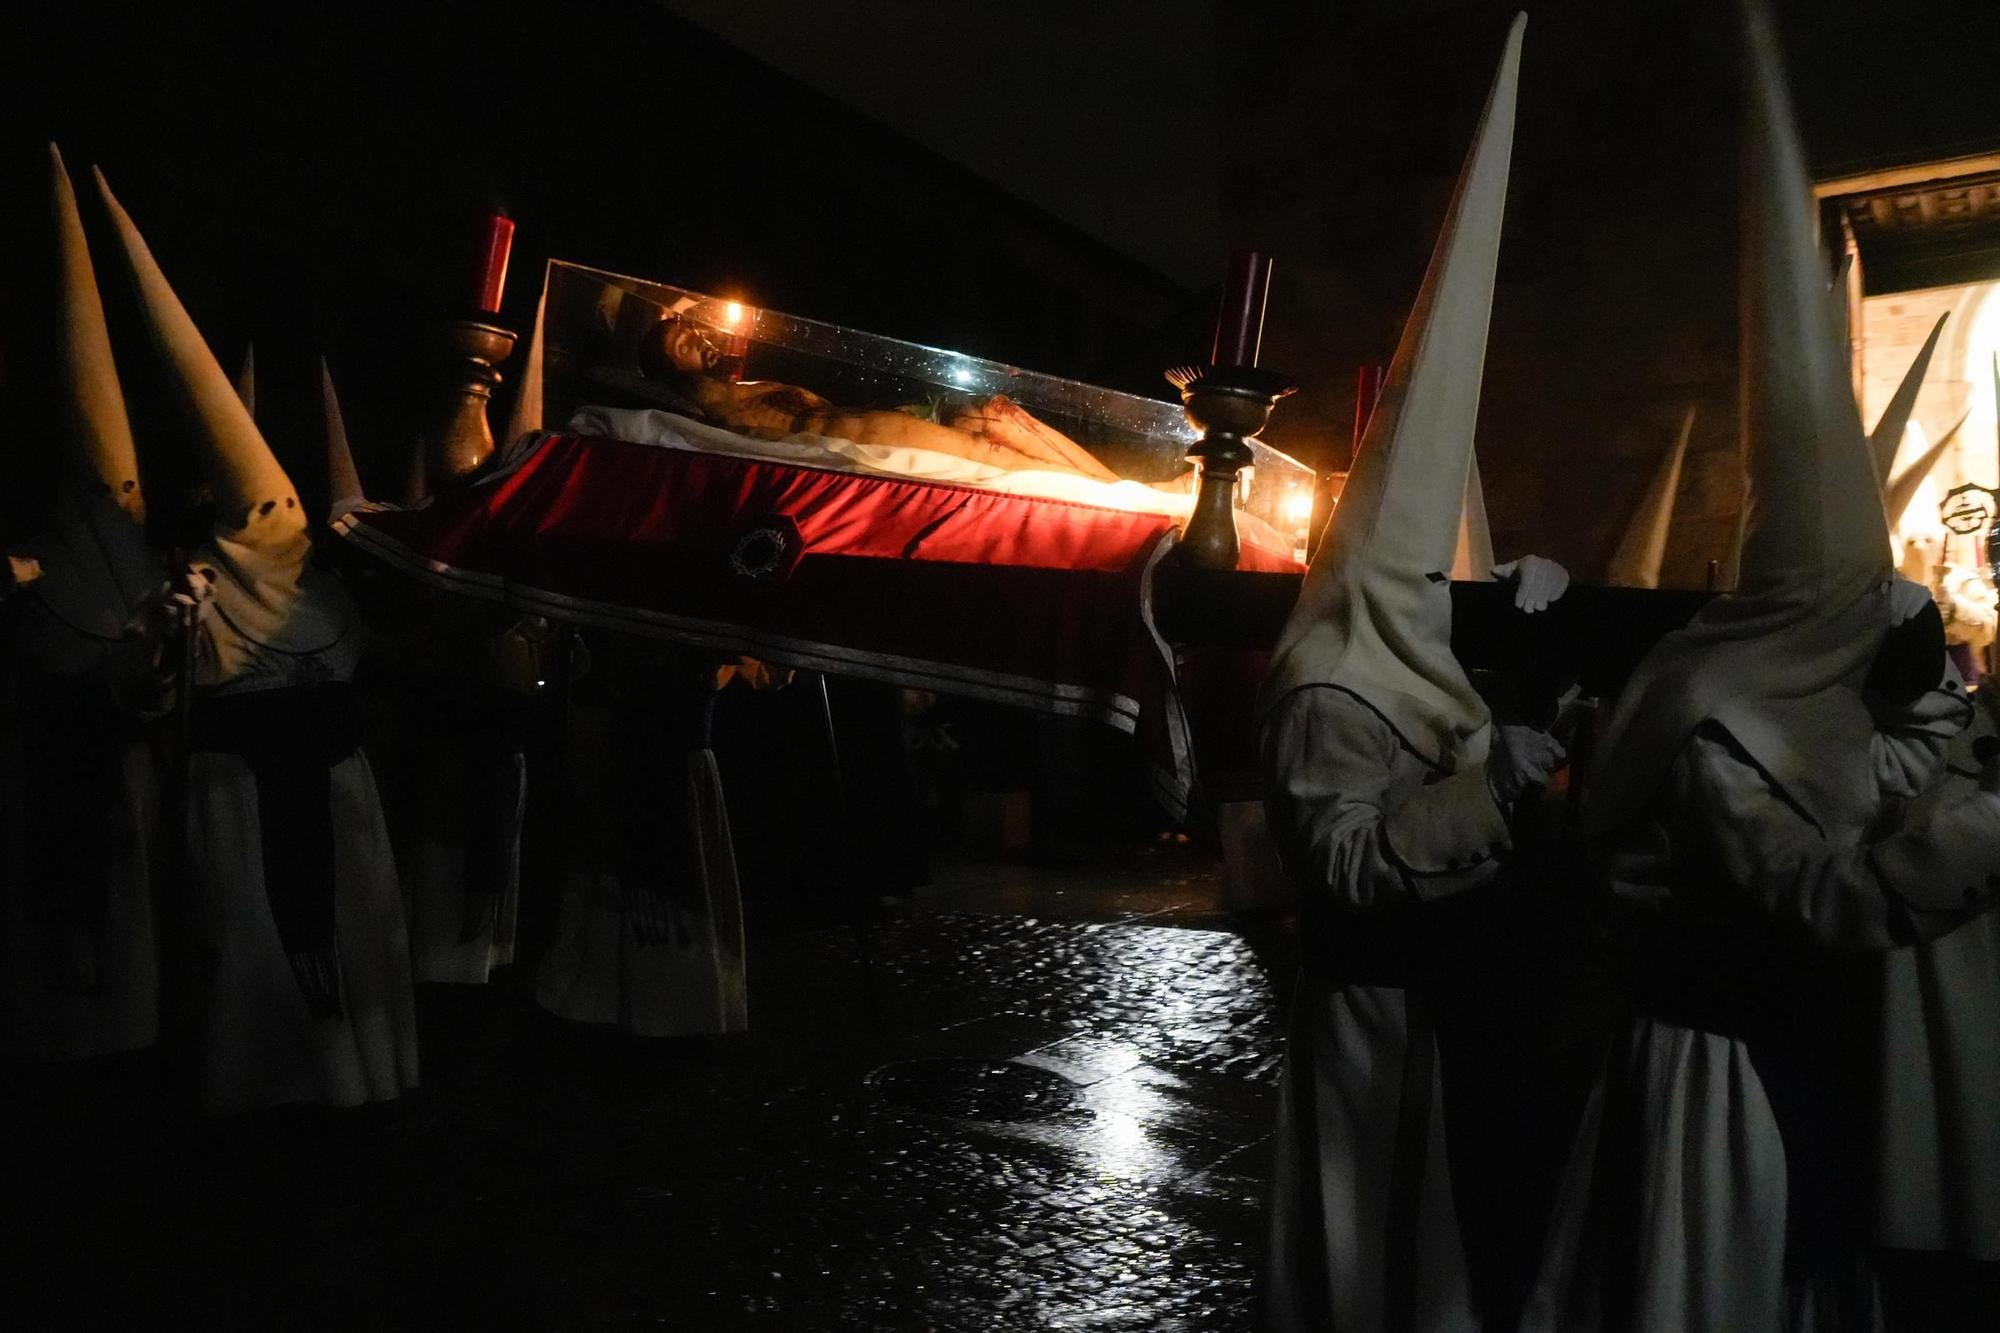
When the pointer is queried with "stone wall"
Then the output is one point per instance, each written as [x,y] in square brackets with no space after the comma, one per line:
[1616,306]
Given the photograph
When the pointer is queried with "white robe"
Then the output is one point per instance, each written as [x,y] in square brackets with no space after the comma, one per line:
[445,946]
[658,958]
[85,983]
[1938,1060]
[1673,1215]
[1374,840]
[463,786]
[259,1044]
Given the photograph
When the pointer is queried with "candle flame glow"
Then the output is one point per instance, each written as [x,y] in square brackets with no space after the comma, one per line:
[732,314]
[1299,507]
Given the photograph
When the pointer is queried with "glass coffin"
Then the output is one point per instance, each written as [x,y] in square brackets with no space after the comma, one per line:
[630,355]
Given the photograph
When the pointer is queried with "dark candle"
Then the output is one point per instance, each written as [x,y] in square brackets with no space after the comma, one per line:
[493,267]
[1367,388]
[1239,320]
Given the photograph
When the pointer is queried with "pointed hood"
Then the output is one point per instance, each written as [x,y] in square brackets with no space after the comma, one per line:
[257,499]
[1374,615]
[1473,561]
[92,401]
[1887,437]
[525,415]
[1780,664]
[96,564]
[1902,488]
[1643,550]
[268,598]
[343,480]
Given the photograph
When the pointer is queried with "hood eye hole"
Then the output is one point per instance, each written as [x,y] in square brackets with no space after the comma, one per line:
[1435,577]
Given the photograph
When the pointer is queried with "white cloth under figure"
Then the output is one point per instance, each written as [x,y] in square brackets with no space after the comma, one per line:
[670,430]
[300,981]
[650,937]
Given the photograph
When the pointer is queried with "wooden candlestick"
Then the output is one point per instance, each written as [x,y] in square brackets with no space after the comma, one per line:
[1228,405]
[462,441]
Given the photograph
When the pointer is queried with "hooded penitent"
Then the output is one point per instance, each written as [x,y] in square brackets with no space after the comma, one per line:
[260,549]
[1780,664]
[1643,550]
[1374,616]
[1900,489]
[1472,562]
[1887,437]
[526,413]
[96,566]
[343,481]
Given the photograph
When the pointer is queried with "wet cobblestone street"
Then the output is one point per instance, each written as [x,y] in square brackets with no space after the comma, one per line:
[1026,1122]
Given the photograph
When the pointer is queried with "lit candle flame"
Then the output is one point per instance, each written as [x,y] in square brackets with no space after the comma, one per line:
[1299,507]
[732,315]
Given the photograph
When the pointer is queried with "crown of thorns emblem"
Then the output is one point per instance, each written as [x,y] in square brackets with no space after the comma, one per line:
[1968,509]
[759,551]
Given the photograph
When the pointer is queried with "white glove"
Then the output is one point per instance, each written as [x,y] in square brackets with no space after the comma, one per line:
[1539,581]
[170,610]
[1521,757]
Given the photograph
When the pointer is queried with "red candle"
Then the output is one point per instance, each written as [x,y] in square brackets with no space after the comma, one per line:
[493,271]
[1239,320]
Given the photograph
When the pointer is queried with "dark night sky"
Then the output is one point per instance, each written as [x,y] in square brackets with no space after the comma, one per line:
[1111,115]
[1103,113]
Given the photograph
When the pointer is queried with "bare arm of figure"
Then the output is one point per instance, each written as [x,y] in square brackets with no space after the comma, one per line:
[1915,884]
[1330,764]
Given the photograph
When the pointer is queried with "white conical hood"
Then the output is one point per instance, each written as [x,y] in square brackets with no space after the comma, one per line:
[1902,488]
[1643,550]
[96,565]
[246,380]
[270,603]
[93,403]
[1781,663]
[1887,437]
[1374,616]
[1472,562]
[526,414]
[343,481]
[257,500]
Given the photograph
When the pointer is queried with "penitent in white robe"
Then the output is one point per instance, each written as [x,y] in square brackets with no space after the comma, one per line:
[650,938]
[464,689]
[1713,1184]
[78,978]
[1937,1058]
[460,930]
[260,1045]
[1381,847]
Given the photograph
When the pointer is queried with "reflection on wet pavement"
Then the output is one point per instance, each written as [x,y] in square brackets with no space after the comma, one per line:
[1044,1124]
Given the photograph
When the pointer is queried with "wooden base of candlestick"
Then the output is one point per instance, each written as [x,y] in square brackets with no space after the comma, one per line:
[462,440]
[1228,405]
